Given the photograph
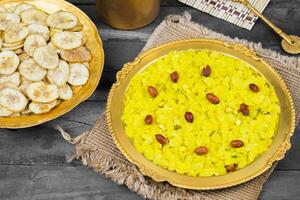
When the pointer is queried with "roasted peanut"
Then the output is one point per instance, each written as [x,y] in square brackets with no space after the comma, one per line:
[253,87]
[174,76]
[152,91]
[244,109]
[231,168]
[237,143]
[189,117]
[148,119]
[212,98]
[161,139]
[206,71]
[201,150]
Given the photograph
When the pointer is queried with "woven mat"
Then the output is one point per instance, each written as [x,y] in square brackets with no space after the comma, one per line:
[97,150]
[230,11]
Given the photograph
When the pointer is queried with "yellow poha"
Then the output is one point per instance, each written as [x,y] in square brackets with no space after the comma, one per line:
[170,138]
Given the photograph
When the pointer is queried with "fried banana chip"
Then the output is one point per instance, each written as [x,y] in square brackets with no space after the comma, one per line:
[31,70]
[79,74]
[22,7]
[37,29]
[15,33]
[4,112]
[46,57]
[66,40]
[13,79]
[34,16]
[13,100]
[80,54]
[59,75]
[65,92]
[42,93]
[32,42]
[9,62]
[62,20]
[7,18]
[40,108]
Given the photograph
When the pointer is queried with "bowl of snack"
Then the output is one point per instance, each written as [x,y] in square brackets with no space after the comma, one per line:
[201,114]
[51,59]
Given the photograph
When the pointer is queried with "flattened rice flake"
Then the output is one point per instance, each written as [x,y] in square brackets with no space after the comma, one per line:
[214,125]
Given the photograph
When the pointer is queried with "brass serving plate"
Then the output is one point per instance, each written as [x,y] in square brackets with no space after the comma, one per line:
[276,151]
[96,64]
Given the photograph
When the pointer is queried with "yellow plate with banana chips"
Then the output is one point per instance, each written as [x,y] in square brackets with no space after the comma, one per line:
[51,60]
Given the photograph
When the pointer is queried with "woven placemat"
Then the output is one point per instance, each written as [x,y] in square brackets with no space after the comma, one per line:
[230,11]
[97,150]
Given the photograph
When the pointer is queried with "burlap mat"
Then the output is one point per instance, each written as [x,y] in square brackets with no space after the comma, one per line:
[97,150]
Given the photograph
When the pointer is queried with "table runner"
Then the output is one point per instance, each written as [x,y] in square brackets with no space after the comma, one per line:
[97,150]
[230,11]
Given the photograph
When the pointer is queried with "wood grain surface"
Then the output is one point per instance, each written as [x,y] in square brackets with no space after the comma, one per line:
[32,161]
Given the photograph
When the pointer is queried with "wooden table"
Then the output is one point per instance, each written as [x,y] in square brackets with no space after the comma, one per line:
[32,161]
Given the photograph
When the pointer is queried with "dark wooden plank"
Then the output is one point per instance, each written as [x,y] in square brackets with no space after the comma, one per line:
[63,183]
[51,182]
[42,145]
[175,3]
[282,185]
[283,17]
[291,160]
[163,2]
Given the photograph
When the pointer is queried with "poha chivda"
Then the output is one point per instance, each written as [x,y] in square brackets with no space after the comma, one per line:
[200,113]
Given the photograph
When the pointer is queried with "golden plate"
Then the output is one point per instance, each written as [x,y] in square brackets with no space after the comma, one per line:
[96,64]
[276,151]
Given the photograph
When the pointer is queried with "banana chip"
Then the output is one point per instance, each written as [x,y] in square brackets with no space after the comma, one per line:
[7,18]
[17,114]
[65,92]
[54,30]
[11,9]
[42,93]
[9,85]
[22,7]
[58,50]
[26,112]
[46,57]
[80,54]
[13,100]
[2,9]
[34,16]
[4,112]
[18,51]
[78,27]
[15,33]
[37,29]
[40,108]
[59,75]
[9,62]
[24,84]
[13,79]
[66,40]
[79,74]
[23,56]
[12,48]
[12,44]
[62,20]
[31,70]
[32,42]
